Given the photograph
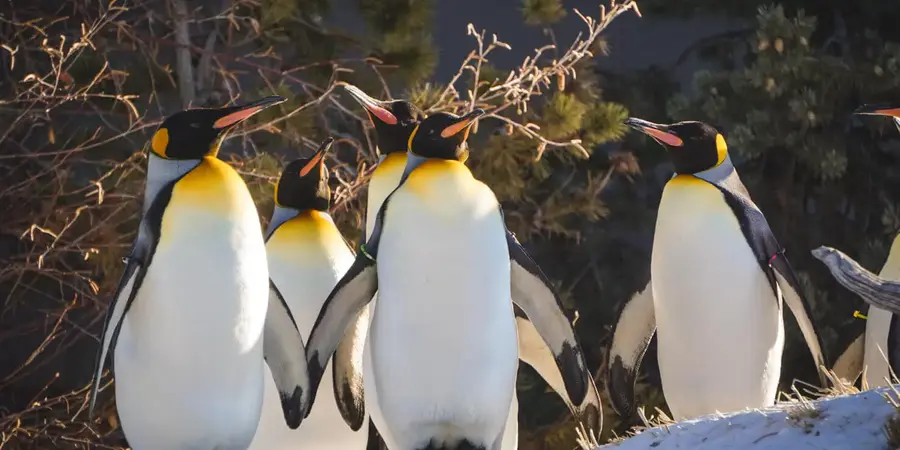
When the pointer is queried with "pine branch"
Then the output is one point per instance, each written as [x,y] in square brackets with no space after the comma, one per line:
[533,76]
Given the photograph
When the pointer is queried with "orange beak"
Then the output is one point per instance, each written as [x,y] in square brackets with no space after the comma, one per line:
[657,131]
[235,114]
[878,110]
[463,123]
[373,107]
[318,158]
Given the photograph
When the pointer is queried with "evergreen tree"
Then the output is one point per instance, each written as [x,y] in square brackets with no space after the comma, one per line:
[782,93]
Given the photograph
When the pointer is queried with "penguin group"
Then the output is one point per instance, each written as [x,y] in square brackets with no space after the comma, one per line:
[219,333]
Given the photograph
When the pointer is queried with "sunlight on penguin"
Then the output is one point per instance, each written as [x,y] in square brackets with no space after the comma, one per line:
[173,302]
[718,279]
[306,256]
[875,353]
[394,123]
[467,291]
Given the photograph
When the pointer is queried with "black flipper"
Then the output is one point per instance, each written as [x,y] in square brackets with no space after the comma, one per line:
[534,352]
[284,353]
[137,262]
[770,255]
[351,293]
[631,336]
[347,372]
[348,297]
[532,291]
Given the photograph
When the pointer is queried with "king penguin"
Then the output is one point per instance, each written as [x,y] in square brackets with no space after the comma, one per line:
[306,256]
[870,353]
[192,319]
[393,122]
[717,282]
[443,334]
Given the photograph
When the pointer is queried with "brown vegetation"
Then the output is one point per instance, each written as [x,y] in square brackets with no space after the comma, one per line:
[86,84]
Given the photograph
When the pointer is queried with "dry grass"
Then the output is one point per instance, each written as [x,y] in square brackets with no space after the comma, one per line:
[91,82]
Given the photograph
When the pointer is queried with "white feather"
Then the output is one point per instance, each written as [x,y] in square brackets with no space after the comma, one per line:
[189,363]
[305,270]
[849,365]
[443,337]
[720,327]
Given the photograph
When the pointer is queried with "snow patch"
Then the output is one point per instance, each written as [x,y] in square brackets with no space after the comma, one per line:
[854,422]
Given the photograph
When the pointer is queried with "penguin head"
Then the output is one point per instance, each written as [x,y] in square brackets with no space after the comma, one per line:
[303,184]
[443,135]
[693,146]
[195,133]
[393,120]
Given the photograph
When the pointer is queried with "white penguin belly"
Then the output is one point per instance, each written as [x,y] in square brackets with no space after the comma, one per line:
[720,328]
[306,260]
[875,358]
[188,364]
[511,432]
[443,338]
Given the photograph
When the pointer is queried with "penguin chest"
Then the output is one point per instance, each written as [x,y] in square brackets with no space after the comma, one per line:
[192,341]
[878,328]
[385,178]
[306,257]
[208,280]
[719,323]
[876,354]
[443,337]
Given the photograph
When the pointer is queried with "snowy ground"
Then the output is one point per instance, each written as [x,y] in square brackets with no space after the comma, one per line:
[854,422]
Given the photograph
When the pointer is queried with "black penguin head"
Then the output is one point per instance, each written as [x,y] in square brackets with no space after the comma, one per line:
[195,133]
[303,184]
[393,120]
[443,135]
[693,146]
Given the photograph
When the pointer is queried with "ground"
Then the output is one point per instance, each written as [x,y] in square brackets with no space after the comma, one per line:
[853,422]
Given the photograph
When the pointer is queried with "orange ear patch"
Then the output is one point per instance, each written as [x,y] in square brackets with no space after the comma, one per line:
[160,142]
[665,137]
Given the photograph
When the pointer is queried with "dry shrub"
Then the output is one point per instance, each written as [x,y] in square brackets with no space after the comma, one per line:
[86,84]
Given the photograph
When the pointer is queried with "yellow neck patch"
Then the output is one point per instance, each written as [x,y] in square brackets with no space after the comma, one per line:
[160,142]
[395,161]
[721,149]
[438,175]
[275,194]
[213,185]
[214,148]
[310,230]
[411,137]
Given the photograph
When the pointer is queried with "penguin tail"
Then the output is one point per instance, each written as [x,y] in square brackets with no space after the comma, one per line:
[464,444]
